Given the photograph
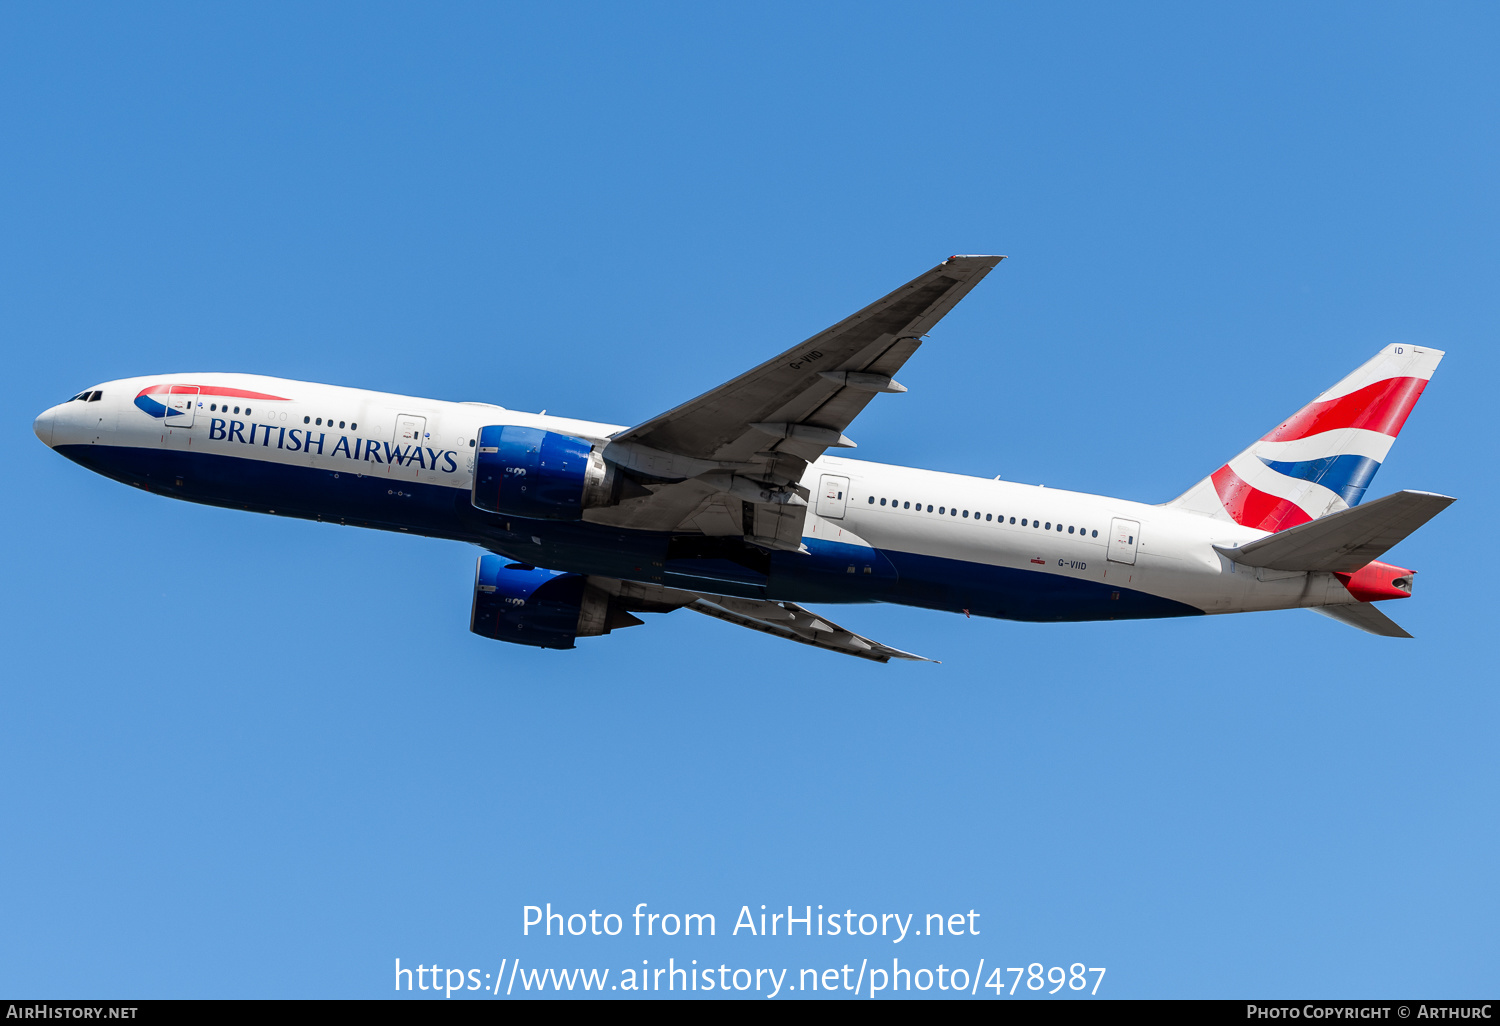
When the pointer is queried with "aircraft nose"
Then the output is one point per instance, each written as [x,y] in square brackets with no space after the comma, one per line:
[43,426]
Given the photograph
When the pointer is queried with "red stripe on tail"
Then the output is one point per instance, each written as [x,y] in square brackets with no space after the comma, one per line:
[1383,406]
[1251,507]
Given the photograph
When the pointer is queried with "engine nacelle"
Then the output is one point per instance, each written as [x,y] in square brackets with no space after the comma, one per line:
[527,605]
[541,475]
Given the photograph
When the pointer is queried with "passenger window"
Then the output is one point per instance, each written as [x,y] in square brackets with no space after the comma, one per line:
[988,517]
[882,502]
[341,423]
[471,445]
[236,409]
[929,507]
[1049,525]
[307,420]
[213,406]
[320,420]
[355,427]
[907,506]
[1070,530]
[1093,534]
[872,500]
[1023,521]
[966,514]
[942,509]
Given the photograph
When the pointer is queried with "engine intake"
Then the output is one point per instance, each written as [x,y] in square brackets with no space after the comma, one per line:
[541,475]
[527,605]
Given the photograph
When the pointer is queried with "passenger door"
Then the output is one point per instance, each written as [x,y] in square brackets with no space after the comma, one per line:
[832,496]
[180,406]
[1124,535]
[410,430]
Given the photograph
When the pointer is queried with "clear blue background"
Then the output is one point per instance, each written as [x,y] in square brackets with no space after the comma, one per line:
[243,756]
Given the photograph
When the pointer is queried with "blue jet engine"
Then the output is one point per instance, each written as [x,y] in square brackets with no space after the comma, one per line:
[540,475]
[527,605]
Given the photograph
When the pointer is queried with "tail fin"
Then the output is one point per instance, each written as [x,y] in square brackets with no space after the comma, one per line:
[1321,459]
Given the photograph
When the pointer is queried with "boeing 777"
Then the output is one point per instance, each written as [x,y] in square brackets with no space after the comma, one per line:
[743,503]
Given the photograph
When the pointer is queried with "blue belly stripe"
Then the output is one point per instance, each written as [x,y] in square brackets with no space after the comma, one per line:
[438,511]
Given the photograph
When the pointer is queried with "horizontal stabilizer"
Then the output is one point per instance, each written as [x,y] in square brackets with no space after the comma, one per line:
[1364,616]
[1344,541]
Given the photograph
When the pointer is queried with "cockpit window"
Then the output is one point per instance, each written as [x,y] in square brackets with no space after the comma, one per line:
[95,396]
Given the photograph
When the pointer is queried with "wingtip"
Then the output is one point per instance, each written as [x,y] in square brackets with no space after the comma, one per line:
[1430,495]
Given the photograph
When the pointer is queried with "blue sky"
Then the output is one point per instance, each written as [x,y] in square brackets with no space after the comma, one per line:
[252,757]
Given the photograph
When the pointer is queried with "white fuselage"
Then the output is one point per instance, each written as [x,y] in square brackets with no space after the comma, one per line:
[401,440]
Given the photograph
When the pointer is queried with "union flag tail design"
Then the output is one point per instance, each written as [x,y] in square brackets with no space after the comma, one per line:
[1322,458]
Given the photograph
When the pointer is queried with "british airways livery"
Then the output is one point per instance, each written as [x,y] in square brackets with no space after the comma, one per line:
[742,504]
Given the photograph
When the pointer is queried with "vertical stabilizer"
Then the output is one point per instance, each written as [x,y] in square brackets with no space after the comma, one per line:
[1321,459]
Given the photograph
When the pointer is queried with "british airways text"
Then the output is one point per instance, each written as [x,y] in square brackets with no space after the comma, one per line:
[364,450]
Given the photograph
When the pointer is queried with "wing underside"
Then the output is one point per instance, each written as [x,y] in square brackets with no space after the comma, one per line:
[785,620]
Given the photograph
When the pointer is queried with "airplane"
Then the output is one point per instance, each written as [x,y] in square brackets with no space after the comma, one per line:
[743,503]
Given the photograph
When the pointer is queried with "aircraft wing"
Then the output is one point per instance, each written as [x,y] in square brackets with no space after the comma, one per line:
[779,619]
[790,621]
[768,424]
